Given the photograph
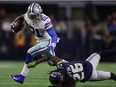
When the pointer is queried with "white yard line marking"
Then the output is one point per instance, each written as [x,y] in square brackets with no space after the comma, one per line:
[101,85]
[6,66]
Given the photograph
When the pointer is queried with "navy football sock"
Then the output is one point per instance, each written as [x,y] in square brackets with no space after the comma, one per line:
[109,52]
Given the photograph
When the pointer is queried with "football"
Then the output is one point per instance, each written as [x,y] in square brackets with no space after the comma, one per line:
[18,24]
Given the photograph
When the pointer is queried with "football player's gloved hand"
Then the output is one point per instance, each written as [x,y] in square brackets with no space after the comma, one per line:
[12,27]
[60,65]
[53,45]
[32,64]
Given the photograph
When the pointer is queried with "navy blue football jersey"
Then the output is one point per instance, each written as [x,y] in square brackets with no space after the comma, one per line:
[79,71]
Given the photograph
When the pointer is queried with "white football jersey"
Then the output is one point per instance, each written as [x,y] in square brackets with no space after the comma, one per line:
[39,27]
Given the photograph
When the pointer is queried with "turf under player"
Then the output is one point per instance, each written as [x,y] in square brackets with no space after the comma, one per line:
[41,26]
[69,73]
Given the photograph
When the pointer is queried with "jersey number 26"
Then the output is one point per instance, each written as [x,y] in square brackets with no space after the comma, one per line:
[77,71]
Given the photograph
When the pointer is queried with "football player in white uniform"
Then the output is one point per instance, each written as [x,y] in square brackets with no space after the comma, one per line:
[42,28]
[69,73]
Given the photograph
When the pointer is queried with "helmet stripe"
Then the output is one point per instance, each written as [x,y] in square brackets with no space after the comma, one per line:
[32,6]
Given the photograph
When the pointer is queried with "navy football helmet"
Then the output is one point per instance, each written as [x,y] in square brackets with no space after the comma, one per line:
[55,78]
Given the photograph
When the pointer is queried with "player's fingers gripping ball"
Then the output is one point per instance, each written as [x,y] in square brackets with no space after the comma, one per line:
[32,64]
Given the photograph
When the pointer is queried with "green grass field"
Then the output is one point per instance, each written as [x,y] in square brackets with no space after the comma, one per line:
[38,76]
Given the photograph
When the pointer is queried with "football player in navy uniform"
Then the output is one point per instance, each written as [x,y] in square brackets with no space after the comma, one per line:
[42,28]
[69,73]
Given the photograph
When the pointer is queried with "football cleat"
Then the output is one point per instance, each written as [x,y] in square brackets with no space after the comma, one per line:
[18,78]
[114,78]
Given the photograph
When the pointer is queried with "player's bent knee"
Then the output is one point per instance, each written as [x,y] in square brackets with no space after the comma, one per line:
[93,56]
[29,58]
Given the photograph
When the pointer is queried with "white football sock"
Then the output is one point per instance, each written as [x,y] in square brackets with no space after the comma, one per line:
[103,75]
[25,70]
[100,75]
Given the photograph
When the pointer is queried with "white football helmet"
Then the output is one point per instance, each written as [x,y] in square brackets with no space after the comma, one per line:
[34,11]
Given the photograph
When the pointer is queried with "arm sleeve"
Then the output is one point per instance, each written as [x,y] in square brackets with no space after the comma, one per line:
[54,36]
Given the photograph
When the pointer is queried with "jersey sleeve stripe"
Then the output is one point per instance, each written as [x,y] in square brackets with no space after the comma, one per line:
[48,24]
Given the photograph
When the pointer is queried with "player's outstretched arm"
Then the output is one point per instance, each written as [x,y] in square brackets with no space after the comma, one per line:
[55,60]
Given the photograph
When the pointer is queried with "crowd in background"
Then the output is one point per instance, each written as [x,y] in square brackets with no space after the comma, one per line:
[94,35]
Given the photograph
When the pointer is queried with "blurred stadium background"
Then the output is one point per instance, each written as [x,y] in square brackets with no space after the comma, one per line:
[83,27]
